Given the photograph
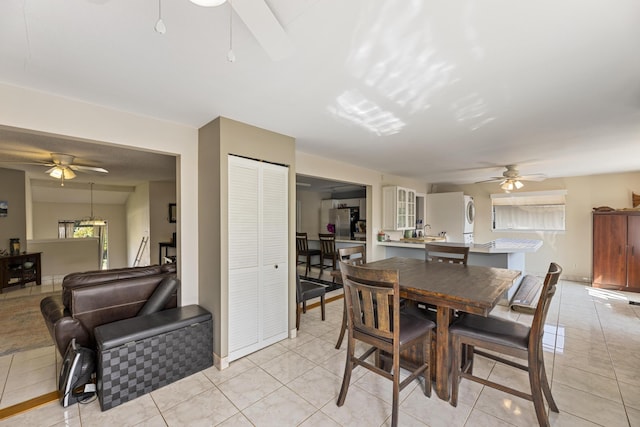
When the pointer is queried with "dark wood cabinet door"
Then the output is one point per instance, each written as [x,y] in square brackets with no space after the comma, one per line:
[633,252]
[609,250]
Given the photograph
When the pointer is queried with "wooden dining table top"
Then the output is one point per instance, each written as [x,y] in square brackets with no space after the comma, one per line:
[472,289]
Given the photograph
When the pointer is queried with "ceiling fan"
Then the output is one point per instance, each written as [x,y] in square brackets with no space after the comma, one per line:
[512,180]
[62,167]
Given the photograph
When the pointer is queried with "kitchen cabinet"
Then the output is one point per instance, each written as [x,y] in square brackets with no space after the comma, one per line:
[349,203]
[616,250]
[258,255]
[398,208]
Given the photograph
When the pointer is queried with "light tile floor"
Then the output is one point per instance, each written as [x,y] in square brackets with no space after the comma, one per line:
[592,348]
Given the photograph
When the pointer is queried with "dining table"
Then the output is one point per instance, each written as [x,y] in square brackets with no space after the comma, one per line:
[449,287]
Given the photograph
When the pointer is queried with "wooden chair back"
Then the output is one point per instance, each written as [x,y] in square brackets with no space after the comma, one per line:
[540,315]
[373,305]
[354,255]
[446,253]
[302,244]
[327,244]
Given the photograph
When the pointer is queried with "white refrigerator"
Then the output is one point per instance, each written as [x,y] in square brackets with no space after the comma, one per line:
[452,213]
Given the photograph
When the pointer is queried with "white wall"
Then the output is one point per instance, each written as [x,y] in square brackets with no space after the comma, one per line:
[47,215]
[138,224]
[572,249]
[29,109]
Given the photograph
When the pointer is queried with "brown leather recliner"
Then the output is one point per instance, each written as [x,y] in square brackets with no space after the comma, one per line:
[95,298]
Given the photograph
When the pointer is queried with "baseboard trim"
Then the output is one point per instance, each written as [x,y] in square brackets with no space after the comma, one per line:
[27,405]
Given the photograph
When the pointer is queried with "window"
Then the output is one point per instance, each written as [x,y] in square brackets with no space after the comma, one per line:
[75,229]
[529,211]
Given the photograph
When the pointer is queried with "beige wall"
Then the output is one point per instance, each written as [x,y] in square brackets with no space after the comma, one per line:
[47,215]
[310,211]
[12,190]
[32,110]
[571,248]
[63,256]
[218,139]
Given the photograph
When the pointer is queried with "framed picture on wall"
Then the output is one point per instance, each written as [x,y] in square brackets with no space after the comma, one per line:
[4,208]
[172,212]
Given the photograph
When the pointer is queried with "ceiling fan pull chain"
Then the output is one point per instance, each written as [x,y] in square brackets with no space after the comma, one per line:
[231,57]
[160,27]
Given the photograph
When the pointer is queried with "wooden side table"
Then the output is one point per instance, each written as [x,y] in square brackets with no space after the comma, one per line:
[18,270]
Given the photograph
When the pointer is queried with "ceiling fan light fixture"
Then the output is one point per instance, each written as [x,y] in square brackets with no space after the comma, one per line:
[507,185]
[511,184]
[60,172]
[208,3]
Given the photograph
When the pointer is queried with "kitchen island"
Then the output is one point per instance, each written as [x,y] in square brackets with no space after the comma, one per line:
[502,253]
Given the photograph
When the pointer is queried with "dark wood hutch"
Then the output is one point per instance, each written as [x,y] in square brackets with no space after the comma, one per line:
[616,250]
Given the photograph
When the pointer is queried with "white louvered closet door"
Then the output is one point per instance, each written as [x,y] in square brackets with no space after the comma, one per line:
[258,250]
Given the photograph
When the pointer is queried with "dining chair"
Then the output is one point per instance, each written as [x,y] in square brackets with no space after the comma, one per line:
[302,249]
[507,338]
[452,254]
[374,318]
[446,253]
[306,290]
[327,251]
[354,255]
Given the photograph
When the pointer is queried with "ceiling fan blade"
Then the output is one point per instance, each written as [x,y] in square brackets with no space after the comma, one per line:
[264,26]
[533,177]
[492,179]
[18,162]
[88,168]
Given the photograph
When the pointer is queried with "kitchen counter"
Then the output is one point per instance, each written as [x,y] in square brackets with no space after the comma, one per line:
[498,246]
[502,253]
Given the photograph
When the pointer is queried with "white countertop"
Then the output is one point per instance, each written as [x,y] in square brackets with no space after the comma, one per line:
[498,246]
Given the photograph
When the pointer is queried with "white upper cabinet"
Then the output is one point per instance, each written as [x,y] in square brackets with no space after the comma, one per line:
[398,208]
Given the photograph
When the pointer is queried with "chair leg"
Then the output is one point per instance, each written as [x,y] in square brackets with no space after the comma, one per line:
[343,328]
[455,369]
[536,391]
[322,306]
[304,306]
[307,269]
[297,316]
[467,359]
[346,378]
[396,388]
[426,355]
[396,399]
[545,386]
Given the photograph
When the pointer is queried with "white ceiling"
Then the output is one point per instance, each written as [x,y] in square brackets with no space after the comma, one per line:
[442,91]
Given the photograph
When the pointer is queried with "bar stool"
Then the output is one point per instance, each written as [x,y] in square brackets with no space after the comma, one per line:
[302,249]
[327,251]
